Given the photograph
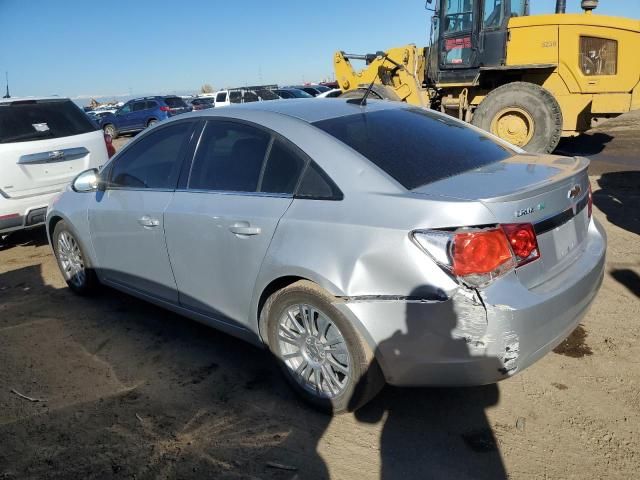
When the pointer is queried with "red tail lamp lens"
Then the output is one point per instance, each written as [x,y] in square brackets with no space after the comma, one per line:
[108,141]
[479,252]
[523,242]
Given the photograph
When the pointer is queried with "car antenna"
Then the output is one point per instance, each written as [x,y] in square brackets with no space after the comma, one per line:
[363,101]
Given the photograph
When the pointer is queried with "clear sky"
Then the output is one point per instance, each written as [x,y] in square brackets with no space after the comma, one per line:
[87,48]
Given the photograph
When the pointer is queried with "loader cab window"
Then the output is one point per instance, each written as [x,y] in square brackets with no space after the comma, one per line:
[518,8]
[493,14]
[458,16]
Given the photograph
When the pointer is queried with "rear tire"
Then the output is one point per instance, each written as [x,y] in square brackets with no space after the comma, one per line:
[521,113]
[322,355]
[151,122]
[72,261]
[110,129]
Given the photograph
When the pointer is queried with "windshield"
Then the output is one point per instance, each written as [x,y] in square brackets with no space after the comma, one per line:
[415,146]
[23,121]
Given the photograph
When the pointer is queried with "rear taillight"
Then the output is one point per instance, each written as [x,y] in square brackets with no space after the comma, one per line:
[479,256]
[590,202]
[523,242]
[111,150]
[165,109]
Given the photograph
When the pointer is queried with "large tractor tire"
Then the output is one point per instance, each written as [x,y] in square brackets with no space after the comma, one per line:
[523,114]
[378,92]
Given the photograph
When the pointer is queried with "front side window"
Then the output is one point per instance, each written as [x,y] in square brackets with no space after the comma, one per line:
[415,146]
[229,158]
[125,109]
[152,162]
[598,56]
[458,15]
[221,97]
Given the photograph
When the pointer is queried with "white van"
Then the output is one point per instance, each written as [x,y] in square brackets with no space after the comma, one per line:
[44,144]
[225,98]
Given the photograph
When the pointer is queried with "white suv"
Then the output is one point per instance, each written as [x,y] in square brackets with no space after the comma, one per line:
[44,144]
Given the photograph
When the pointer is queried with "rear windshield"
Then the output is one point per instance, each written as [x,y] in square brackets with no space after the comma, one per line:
[174,102]
[415,146]
[27,120]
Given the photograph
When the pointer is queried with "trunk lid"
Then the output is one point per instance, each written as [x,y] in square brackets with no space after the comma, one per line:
[548,191]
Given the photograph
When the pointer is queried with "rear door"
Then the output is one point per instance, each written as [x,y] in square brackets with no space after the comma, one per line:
[44,144]
[219,228]
[126,220]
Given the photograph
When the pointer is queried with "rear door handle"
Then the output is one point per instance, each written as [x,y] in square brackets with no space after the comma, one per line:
[147,221]
[244,228]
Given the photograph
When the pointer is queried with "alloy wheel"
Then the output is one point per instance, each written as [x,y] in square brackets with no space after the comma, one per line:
[314,350]
[71,261]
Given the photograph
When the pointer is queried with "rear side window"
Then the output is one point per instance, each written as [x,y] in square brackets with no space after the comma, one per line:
[250,97]
[415,146]
[221,97]
[139,106]
[315,184]
[151,104]
[229,158]
[24,121]
[152,162]
[235,97]
[283,169]
[174,102]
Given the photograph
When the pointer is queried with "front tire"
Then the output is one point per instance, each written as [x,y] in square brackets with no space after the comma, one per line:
[72,261]
[151,122]
[523,114]
[321,354]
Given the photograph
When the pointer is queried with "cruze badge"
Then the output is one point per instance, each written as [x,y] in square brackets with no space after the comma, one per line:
[527,211]
[574,192]
[56,155]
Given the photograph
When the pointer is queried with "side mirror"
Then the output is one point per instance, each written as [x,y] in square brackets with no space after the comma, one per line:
[87,181]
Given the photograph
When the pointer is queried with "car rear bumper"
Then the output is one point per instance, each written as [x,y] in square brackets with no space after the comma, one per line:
[20,213]
[474,340]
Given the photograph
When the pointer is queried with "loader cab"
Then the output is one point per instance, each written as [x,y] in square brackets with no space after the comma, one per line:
[468,35]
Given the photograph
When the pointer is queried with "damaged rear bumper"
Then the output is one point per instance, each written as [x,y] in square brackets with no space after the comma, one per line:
[476,338]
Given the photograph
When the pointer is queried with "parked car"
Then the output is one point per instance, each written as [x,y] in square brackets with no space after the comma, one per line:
[333,93]
[454,259]
[224,98]
[288,93]
[313,90]
[201,103]
[140,113]
[44,144]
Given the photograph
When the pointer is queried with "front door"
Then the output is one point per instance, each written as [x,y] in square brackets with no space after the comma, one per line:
[126,219]
[457,33]
[219,229]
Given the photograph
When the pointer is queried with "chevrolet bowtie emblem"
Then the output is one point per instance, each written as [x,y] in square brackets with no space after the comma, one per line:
[574,192]
[56,155]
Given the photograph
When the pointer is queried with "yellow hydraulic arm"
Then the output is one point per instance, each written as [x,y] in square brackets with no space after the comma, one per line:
[400,70]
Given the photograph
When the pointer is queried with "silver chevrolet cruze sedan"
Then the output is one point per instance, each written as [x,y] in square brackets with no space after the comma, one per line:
[360,244]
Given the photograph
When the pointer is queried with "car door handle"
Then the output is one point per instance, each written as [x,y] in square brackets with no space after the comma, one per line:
[147,221]
[244,228]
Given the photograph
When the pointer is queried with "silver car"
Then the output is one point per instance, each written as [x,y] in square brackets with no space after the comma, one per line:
[360,244]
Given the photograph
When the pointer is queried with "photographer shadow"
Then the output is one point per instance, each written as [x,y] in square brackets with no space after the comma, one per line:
[435,432]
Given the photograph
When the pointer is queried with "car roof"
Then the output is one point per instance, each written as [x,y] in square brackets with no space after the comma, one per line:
[305,109]
[22,99]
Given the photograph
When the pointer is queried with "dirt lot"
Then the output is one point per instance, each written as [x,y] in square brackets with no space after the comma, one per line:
[128,390]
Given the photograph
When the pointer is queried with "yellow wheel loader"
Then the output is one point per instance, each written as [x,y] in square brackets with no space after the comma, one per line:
[529,79]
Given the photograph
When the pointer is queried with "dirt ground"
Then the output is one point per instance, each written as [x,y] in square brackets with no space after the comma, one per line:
[127,390]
